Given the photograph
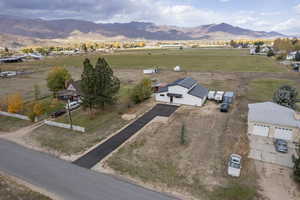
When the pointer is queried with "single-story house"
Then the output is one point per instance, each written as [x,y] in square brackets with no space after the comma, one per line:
[11,60]
[271,120]
[291,55]
[73,91]
[183,91]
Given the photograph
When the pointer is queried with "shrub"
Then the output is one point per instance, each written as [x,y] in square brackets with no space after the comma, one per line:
[141,91]
[15,103]
[280,57]
[183,139]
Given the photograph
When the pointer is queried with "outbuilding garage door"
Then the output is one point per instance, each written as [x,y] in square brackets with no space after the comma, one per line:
[261,130]
[283,133]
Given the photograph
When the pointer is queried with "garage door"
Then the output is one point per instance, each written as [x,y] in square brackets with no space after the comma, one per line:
[283,133]
[261,130]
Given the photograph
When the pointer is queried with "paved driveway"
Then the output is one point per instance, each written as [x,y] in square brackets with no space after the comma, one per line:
[96,155]
[262,148]
[67,180]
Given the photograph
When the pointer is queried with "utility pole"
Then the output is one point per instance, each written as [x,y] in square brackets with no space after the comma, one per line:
[69,113]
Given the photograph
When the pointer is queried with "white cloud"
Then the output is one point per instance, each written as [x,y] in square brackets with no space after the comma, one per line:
[297,8]
[292,25]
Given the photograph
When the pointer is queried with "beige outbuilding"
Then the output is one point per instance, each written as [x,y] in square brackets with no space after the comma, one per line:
[271,120]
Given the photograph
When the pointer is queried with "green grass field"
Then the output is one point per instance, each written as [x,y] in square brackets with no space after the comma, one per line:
[263,89]
[227,60]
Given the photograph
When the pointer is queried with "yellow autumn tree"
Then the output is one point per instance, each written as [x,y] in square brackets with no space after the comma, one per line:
[15,103]
[38,109]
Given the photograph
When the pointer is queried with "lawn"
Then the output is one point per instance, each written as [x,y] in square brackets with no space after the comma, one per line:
[263,89]
[227,60]
[98,126]
[9,124]
[10,190]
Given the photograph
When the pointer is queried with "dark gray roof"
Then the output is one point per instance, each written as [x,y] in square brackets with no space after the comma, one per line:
[187,82]
[269,112]
[199,91]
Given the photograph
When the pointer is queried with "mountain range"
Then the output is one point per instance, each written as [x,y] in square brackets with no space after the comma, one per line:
[75,29]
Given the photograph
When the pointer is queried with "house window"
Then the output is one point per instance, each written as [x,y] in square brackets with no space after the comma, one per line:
[162,95]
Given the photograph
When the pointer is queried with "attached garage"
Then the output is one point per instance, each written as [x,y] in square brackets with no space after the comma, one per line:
[261,130]
[283,133]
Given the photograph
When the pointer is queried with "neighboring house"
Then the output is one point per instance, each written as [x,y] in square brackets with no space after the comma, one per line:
[291,55]
[73,91]
[271,120]
[11,60]
[183,91]
[252,51]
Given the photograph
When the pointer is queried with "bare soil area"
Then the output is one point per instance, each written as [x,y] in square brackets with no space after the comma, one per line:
[276,182]
[197,168]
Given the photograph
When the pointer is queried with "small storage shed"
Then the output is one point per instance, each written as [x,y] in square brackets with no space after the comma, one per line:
[177,69]
[150,71]
[229,97]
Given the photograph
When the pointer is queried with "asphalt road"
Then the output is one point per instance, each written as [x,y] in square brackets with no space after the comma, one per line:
[96,155]
[67,180]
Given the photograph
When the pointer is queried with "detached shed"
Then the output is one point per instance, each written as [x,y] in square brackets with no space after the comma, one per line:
[150,71]
[229,97]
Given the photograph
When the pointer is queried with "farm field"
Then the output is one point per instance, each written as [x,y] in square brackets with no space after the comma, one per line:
[263,89]
[225,60]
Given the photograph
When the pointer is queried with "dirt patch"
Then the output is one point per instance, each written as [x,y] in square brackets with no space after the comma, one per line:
[158,159]
[276,182]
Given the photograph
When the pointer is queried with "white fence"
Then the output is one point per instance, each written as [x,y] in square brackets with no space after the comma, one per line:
[14,115]
[67,126]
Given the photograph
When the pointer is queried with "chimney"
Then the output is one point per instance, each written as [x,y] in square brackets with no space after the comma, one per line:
[297,115]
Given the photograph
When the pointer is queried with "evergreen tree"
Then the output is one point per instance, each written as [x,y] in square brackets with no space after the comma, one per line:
[296,161]
[270,53]
[297,56]
[87,85]
[106,84]
[257,49]
[286,96]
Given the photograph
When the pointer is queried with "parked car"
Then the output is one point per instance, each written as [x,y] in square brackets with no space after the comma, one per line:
[234,165]
[72,105]
[281,146]
[224,107]
[219,96]
[211,95]
[58,113]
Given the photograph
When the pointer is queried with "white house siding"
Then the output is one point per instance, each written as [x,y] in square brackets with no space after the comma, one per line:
[186,99]
[159,97]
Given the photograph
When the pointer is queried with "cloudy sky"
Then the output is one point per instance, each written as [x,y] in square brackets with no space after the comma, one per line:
[268,15]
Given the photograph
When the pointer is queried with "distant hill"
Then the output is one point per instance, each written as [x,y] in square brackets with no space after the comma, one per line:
[66,28]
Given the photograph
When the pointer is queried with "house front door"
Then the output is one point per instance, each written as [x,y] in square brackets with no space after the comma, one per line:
[171,99]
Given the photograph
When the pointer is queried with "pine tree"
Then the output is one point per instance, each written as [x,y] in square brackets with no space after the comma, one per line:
[286,96]
[87,85]
[297,56]
[107,85]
